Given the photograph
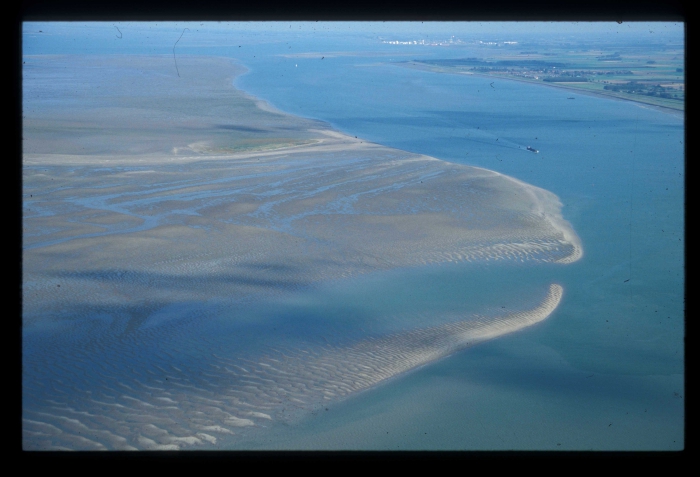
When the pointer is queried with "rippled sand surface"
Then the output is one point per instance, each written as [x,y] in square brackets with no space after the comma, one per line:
[148,196]
[160,404]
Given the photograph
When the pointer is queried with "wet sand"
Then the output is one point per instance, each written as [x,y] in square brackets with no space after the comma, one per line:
[165,406]
[148,191]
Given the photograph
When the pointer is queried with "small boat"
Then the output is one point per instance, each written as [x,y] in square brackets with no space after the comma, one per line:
[532,149]
[571,98]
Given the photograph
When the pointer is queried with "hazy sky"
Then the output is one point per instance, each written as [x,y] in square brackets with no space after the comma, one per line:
[159,37]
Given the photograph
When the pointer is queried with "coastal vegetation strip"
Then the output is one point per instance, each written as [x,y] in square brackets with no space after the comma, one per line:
[655,78]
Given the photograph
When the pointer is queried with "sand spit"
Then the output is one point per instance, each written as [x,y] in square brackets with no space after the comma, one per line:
[278,385]
[548,206]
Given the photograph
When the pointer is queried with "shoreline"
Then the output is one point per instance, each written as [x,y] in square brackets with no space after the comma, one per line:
[321,140]
[424,346]
[662,109]
[176,238]
[553,216]
[548,209]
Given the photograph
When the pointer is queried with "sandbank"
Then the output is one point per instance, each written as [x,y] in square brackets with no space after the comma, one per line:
[138,201]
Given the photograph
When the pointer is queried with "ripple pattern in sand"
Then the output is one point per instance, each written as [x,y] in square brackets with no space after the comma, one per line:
[111,404]
[239,227]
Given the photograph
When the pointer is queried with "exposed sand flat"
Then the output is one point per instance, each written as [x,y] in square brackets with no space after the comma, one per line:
[285,389]
[148,199]
[235,228]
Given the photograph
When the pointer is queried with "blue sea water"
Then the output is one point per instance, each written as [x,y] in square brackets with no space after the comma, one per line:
[613,352]
[606,370]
